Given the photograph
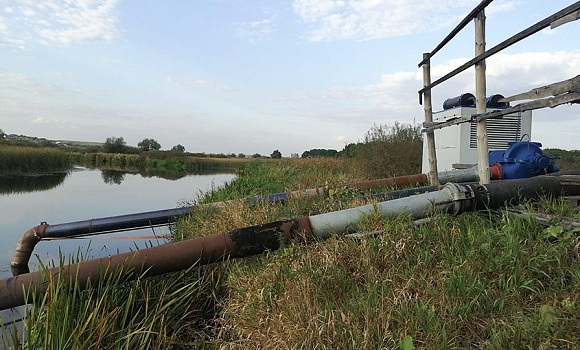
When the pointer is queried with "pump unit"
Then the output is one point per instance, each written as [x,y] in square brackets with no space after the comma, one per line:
[456,146]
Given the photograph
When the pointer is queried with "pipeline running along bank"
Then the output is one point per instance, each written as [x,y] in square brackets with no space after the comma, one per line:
[522,159]
[28,241]
[453,198]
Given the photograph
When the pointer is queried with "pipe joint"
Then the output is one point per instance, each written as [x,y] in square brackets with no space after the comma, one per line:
[24,248]
[463,198]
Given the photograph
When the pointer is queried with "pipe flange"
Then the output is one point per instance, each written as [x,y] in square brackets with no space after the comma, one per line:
[462,196]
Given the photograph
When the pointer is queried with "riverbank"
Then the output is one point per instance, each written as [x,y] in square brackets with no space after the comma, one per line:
[35,160]
[28,160]
[487,281]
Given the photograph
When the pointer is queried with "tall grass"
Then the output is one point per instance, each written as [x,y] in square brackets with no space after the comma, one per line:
[462,283]
[154,313]
[258,177]
[388,151]
[478,281]
[486,281]
[18,160]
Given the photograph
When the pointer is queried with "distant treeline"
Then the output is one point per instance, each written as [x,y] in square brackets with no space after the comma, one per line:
[383,152]
[113,145]
[567,160]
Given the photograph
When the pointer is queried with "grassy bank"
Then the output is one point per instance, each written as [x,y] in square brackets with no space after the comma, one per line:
[477,281]
[33,160]
[486,281]
[20,160]
[178,164]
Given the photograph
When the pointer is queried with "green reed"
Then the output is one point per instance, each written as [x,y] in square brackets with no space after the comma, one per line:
[19,160]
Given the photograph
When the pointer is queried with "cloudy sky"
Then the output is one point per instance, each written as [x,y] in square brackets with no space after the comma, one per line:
[257,75]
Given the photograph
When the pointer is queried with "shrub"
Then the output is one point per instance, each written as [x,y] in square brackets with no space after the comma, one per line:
[390,151]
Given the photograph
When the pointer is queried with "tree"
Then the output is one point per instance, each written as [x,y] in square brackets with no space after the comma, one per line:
[2,135]
[320,152]
[256,155]
[114,145]
[276,154]
[149,144]
[241,155]
[178,148]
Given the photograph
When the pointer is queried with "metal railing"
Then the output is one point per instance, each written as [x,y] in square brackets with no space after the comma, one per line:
[552,95]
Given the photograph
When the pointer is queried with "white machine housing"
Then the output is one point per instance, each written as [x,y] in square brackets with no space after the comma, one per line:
[457,144]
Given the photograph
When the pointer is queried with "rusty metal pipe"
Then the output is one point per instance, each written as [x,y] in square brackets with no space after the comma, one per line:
[25,247]
[158,260]
[28,241]
[453,198]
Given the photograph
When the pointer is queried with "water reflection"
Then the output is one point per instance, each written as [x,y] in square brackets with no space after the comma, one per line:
[113,177]
[83,196]
[18,184]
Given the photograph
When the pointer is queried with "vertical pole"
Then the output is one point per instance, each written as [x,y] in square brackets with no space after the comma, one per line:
[433,177]
[480,93]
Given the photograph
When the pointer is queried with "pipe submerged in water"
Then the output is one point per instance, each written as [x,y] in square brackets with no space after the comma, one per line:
[452,198]
[28,241]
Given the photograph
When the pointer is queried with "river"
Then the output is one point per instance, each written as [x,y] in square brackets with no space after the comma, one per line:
[83,194]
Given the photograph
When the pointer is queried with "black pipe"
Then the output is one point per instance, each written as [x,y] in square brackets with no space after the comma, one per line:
[512,192]
[453,198]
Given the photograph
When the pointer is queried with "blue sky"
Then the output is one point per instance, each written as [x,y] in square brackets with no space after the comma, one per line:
[233,76]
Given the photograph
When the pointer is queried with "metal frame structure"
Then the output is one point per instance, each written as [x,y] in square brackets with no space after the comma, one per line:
[552,95]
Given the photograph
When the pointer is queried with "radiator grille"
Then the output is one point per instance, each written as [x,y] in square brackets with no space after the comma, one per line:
[499,132]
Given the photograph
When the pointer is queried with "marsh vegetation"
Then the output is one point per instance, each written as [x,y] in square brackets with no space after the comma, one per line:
[482,280]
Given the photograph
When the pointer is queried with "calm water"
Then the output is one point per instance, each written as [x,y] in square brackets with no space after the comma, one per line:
[85,194]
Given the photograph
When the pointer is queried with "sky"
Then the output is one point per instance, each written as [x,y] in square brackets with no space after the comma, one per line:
[253,76]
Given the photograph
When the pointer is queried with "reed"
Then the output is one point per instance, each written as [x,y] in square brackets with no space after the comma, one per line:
[163,162]
[388,151]
[478,281]
[19,160]
[154,313]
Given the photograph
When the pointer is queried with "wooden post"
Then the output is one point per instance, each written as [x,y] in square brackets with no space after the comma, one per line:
[433,176]
[480,98]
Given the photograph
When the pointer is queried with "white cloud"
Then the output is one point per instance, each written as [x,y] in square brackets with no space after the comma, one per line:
[63,22]
[395,97]
[502,6]
[372,19]
[312,10]
[14,82]
[3,26]
[44,120]
[28,12]
[199,84]
[260,30]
